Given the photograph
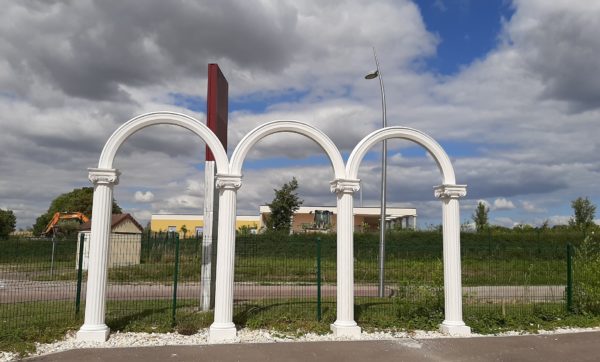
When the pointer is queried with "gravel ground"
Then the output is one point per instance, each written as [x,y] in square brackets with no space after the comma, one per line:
[117,339]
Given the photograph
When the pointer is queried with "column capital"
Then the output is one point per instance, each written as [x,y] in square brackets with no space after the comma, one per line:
[228,182]
[450,191]
[344,186]
[104,176]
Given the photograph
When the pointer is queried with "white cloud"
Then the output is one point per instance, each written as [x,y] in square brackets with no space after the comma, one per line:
[195,187]
[530,207]
[535,134]
[559,219]
[140,196]
[557,42]
[183,204]
[504,221]
[142,216]
[503,204]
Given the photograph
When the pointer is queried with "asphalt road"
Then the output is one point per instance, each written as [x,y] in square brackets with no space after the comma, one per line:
[547,348]
[12,291]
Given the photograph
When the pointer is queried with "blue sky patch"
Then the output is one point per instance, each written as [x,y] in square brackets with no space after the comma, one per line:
[261,101]
[193,103]
[468,29]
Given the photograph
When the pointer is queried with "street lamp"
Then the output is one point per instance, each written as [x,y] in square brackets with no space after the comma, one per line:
[373,75]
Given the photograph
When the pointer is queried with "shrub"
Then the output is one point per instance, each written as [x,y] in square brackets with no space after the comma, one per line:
[586,285]
[422,306]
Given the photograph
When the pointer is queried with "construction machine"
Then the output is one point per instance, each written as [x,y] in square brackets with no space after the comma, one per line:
[50,228]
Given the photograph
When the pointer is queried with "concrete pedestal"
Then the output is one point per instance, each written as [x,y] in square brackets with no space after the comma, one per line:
[455,330]
[222,332]
[345,331]
[97,333]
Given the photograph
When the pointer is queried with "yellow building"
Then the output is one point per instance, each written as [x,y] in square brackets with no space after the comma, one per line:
[194,224]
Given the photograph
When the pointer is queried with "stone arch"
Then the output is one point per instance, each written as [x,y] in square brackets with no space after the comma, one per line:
[104,178]
[149,119]
[449,193]
[260,132]
[439,155]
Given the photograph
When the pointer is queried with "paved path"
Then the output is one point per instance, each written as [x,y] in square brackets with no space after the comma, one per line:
[13,291]
[547,348]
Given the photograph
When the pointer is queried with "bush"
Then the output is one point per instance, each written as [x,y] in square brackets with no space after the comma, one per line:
[422,306]
[586,285]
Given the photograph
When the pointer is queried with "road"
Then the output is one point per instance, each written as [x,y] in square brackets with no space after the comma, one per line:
[548,348]
[13,291]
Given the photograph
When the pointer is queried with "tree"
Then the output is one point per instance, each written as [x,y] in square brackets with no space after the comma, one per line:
[78,200]
[584,212]
[184,230]
[7,223]
[283,206]
[480,216]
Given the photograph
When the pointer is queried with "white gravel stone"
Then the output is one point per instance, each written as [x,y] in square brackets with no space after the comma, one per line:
[7,356]
[119,340]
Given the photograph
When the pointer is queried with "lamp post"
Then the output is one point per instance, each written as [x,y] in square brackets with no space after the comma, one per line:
[373,75]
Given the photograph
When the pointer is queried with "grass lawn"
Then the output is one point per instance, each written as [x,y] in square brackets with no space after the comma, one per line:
[289,316]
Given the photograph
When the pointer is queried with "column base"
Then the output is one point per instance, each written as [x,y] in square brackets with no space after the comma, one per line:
[453,329]
[94,333]
[219,333]
[345,330]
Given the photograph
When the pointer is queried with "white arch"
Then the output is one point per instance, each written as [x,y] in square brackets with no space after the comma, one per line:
[149,119]
[104,178]
[434,148]
[241,151]
[223,327]
[449,193]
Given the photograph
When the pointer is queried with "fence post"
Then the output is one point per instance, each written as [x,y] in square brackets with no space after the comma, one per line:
[569,277]
[149,245]
[175,274]
[79,274]
[52,259]
[489,239]
[319,279]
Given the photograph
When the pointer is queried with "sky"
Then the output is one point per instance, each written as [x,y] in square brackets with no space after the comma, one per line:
[510,89]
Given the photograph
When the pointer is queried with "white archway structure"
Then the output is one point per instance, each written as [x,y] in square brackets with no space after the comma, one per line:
[104,178]
[449,192]
[223,327]
[229,180]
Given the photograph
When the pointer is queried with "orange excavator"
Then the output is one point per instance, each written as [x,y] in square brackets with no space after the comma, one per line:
[50,228]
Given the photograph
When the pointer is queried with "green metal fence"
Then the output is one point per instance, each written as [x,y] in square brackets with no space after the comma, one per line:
[154,279]
[36,278]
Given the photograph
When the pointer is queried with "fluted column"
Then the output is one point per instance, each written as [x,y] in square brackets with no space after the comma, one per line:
[344,324]
[453,320]
[94,328]
[223,328]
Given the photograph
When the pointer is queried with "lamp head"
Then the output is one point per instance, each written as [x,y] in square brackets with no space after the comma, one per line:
[374,74]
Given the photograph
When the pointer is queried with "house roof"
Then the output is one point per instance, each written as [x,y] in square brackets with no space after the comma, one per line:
[115,221]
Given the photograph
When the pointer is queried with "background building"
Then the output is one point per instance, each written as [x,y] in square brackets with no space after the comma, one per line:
[125,242]
[306,219]
[324,218]
[194,224]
